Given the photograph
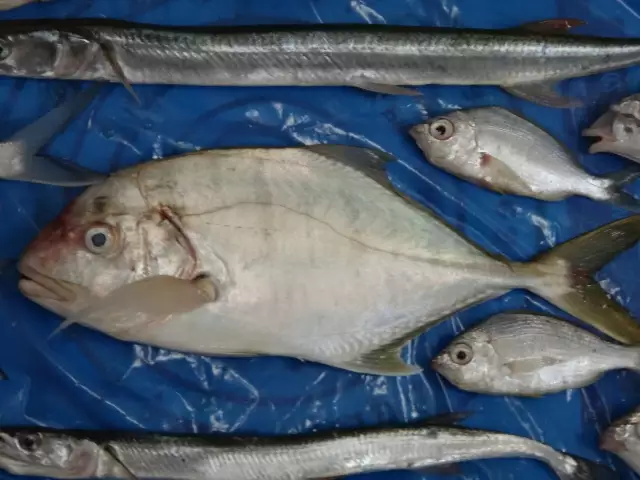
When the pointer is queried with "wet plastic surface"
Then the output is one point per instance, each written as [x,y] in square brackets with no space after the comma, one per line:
[82,379]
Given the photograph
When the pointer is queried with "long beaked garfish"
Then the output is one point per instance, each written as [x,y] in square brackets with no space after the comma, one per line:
[84,455]
[528,354]
[527,60]
[306,252]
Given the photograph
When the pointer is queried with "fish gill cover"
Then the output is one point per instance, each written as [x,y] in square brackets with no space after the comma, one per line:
[83,379]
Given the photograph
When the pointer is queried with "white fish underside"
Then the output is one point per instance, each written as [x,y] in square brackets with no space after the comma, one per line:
[313,259]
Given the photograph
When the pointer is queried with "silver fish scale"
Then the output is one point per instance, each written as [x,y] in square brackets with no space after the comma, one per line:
[337,455]
[318,55]
[522,336]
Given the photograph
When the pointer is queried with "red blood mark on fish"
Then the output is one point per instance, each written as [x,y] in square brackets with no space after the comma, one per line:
[62,233]
[485,159]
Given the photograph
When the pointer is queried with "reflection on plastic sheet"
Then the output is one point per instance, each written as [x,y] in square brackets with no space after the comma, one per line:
[82,379]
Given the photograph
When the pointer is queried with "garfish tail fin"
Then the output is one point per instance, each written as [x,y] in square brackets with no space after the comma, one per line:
[620,180]
[564,277]
[577,468]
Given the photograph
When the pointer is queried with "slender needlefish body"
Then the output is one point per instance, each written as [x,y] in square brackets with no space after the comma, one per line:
[80,455]
[526,60]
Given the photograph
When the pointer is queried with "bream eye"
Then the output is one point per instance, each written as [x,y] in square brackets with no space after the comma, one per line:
[441,129]
[461,354]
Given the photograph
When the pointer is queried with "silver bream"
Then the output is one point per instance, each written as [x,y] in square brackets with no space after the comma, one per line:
[498,149]
[618,129]
[530,355]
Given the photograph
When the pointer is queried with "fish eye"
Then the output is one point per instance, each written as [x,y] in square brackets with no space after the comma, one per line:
[5,51]
[99,239]
[461,354]
[441,129]
[29,442]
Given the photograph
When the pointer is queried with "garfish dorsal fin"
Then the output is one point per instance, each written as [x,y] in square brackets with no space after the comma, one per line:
[552,25]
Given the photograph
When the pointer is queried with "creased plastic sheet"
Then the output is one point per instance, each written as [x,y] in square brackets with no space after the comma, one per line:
[82,379]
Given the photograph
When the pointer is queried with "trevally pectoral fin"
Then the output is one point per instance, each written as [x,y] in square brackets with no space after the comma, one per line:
[143,303]
[382,361]
[544,94]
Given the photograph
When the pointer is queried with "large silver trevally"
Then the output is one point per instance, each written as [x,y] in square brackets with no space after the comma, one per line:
[530,355]
[334,454]
[306,252]
[623,439]
[498,149]
[618,129]
[526,61]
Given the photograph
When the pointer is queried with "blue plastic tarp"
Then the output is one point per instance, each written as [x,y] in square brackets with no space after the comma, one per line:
[82,379]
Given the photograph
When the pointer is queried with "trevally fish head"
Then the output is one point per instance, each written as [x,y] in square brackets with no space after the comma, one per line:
[106,238]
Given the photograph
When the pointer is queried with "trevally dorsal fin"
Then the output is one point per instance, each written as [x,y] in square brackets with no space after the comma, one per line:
[370,161]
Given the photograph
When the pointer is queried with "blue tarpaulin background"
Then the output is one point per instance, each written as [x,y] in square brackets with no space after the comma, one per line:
[82,379]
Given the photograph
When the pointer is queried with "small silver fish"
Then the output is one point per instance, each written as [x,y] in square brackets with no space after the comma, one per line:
[623,439]
[618,130]
[85,455]
[497,149]
[530,355]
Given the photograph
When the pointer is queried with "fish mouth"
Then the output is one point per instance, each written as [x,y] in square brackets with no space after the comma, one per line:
[40,287]
[611,444]
[602,129]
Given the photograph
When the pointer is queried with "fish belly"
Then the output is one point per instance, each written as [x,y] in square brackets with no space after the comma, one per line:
[291,284]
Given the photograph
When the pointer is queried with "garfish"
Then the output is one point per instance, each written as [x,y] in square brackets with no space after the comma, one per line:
[306,252]
[86,454]
[500,150]
[19,159]
[618,129]
[529,354]
[527,61]
[623,439]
